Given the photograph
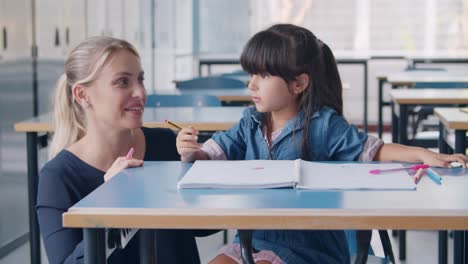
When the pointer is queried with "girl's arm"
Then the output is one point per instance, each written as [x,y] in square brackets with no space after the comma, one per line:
[402,153]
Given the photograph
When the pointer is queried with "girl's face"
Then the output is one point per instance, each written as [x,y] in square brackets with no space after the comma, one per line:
[117,97]
[272,94]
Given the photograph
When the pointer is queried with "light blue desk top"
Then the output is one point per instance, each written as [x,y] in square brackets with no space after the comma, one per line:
[147,197]
[427,76]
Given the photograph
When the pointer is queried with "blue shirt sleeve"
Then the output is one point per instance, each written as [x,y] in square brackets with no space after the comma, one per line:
[342,140]
[233,141]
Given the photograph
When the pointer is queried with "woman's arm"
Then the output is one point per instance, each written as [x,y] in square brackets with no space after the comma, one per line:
[62,245]
[402,153]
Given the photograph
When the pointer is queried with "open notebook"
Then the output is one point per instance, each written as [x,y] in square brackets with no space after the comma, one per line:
[293,173]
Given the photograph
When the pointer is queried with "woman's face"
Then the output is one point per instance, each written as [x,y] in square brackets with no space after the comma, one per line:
[118,96]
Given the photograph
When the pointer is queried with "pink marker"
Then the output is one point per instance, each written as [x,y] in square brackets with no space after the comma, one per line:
[130,154]
[414,167]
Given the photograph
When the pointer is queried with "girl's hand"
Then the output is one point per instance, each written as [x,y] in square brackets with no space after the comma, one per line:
[119,164]
[442,160]
[187,145]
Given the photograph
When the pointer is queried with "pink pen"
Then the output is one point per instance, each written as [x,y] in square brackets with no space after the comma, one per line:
[414,167]
[130,154]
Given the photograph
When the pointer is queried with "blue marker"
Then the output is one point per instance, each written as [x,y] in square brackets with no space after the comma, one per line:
[434,176]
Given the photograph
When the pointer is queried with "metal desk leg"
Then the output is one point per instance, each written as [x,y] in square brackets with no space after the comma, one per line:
[245,237]
[394,125]
[460,141]
[460,252]
[365,97]
[380,120]
[147,246]
[443,235]
[94,246]
[443,250]
[466,248]
[34,240]
[402,244]
[443,146]
[403,125]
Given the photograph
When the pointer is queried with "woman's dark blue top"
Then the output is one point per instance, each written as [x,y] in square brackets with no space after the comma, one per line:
[66,179]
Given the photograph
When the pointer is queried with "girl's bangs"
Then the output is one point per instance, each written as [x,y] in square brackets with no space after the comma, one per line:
[266,54]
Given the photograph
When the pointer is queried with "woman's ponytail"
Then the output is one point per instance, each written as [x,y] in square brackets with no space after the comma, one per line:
[68,121]
[334,91]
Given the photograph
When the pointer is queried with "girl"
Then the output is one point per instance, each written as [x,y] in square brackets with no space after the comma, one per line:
[98,107]
[298,113]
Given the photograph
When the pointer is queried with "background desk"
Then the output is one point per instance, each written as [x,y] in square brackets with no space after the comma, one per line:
[454,119]
[404,98]
[152,201]
[409,79]
[203,118]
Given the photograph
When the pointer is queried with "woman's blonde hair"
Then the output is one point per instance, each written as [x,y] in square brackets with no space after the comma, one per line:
[83,66]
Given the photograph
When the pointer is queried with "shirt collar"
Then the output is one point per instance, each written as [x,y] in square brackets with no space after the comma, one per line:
[259,118]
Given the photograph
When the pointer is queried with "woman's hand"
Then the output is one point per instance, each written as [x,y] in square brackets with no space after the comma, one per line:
[442,160]
[119,164]
[187,144]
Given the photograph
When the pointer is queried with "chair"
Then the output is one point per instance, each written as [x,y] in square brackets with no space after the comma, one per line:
[360,250]
[235,73]
[212,82]
[169,100]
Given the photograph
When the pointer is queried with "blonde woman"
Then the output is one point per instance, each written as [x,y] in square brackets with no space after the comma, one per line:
[98,107]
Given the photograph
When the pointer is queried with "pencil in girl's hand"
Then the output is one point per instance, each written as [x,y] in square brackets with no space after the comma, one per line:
[172,124]
[130,154]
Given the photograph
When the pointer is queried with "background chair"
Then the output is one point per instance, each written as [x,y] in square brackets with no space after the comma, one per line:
[212,82]
[169,100]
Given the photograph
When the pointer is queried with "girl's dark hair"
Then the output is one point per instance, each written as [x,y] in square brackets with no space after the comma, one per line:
[286,51]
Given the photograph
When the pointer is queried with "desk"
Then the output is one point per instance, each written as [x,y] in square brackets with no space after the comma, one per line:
[454,119]
[203,118]
[232,59]
[402,99]
[153,201]
[224,95]
[409,79]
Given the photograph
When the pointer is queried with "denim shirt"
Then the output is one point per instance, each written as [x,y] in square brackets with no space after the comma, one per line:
[330,138]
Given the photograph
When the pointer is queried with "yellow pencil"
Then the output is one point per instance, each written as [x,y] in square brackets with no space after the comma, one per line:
[172,124]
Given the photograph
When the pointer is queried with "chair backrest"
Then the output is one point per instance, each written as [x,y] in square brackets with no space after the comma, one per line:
[170,100]
[235,73]
[213,82]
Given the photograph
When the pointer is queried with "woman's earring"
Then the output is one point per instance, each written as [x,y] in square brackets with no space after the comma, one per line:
[85,104]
